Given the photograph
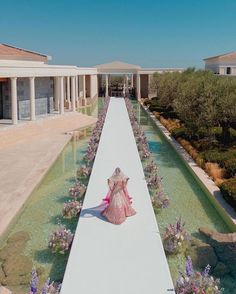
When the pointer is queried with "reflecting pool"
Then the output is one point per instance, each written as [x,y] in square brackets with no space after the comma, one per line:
[187,199]
[43,211]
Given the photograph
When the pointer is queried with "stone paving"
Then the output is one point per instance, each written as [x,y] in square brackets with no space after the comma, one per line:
[27,151]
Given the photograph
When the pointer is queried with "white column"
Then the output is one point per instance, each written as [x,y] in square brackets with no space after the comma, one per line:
[61,87]
[73,92]
[91,88]
[80,78]
[76,90]
[106,86]
[127,84]
[124,85]
[132,80]
[68,98]
[138,87]
[56,93]
[84,91]
[32,98]
[84,86]
[14,101]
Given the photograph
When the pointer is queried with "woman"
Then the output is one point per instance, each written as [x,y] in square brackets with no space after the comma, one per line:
[118,200]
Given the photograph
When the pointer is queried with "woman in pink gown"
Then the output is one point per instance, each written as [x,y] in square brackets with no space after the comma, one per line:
[119,203]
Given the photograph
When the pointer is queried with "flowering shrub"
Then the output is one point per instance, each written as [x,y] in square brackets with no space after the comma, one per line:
[90,154]
[144,153]
[77,191]
[84,172]
[96,133]
[175,238]
[71,209]
[60,240]
[192,282]
[160,200]
[151,168]
[51,288]
[154,181]
[34,281]
[48,288]
[138,133]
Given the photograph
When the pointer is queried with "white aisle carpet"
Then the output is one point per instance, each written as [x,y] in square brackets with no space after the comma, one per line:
[117,259]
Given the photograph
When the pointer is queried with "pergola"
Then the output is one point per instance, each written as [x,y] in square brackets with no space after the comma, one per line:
[139,77]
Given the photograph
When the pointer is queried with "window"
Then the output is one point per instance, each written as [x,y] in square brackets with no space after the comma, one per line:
[228,70]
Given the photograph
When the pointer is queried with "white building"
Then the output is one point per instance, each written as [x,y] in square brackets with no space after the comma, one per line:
[224,64]
[30,87]
[135,76]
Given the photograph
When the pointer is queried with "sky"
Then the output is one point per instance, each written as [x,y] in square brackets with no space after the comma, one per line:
[151,33]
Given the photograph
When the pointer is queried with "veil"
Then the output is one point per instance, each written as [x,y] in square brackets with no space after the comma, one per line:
[118,175]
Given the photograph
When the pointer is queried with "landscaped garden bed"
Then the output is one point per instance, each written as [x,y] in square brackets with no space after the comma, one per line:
[198,109]
[177,241]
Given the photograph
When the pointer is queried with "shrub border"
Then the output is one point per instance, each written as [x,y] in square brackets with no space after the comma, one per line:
[213,192]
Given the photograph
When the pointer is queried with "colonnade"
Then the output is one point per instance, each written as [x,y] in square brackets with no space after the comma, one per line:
[134,82]
[69,92]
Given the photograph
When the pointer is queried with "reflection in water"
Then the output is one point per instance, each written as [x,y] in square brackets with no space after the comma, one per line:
[42,212]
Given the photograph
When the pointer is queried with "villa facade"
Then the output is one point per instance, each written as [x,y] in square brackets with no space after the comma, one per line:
[224,64]
[30,87]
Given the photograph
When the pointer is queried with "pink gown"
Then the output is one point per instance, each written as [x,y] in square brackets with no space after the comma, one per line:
[119,206]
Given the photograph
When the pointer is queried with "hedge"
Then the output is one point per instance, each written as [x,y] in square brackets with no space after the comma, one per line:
[180,132]
[230,166]
[228,190]
[219,156]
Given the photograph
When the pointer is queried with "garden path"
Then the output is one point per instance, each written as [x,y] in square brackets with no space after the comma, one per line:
[118,259]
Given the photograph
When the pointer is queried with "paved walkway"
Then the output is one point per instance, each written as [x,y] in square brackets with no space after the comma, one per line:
[26,153]
[124,259]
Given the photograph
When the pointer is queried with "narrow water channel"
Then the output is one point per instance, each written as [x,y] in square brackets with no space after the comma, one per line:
[43,211]
[187,199]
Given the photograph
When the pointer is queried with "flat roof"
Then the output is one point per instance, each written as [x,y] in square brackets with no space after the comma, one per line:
[117,65]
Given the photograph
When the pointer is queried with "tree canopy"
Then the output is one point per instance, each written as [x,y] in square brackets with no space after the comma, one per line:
[200,99]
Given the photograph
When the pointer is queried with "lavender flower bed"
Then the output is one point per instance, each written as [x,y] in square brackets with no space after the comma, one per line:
[194,282]
[43,212]
[48,287]
[154,182]
[175,236]
[61,239]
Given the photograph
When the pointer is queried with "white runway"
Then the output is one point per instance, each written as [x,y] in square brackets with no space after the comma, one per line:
[117,259]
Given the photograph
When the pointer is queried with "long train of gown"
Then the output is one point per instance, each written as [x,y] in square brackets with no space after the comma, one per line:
[119,206]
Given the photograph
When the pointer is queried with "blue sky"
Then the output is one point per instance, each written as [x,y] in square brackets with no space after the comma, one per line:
[151,33]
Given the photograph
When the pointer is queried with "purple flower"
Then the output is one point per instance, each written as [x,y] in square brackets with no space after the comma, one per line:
[60,240]
[206,270]
[46,287]
[189,267]
[34,281]
[178,225]
[194,282]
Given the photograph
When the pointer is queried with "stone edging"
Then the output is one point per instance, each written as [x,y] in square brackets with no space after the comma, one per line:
[213,191]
